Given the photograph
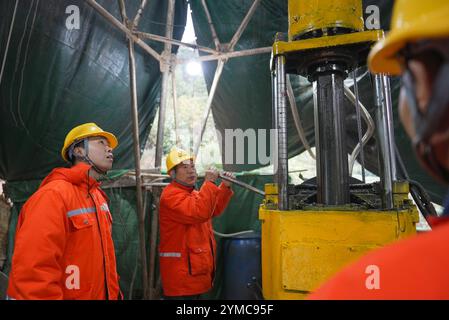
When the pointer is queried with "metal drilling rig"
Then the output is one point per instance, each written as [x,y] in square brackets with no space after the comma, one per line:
[310,231]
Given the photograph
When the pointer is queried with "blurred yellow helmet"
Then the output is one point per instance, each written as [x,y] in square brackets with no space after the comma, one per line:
[176,156]
[85,131]
[412,20]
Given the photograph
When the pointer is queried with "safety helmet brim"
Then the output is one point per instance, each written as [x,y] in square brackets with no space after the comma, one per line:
[384,56]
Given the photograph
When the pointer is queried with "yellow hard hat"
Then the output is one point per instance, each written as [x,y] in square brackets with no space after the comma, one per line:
[176,156]
[412,20]
[84,131]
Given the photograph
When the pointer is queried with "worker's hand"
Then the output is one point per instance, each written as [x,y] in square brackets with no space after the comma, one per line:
[230,175]
[211,175]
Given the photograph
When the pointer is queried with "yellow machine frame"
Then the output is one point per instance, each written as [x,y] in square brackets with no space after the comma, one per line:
[303,248]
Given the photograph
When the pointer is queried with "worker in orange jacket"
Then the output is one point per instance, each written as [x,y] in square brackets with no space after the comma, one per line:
[187,248]
[417,48]
[63,245]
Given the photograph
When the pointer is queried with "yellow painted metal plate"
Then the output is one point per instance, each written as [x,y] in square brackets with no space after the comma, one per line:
[325,259]
[283,47]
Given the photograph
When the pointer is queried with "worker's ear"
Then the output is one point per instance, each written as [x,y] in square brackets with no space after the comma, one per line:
[172,173]
[78,152]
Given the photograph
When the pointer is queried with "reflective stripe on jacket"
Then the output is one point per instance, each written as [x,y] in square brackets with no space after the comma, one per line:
[187,244]
[63,245]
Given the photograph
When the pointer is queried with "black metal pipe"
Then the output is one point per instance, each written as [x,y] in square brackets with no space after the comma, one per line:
[330,136]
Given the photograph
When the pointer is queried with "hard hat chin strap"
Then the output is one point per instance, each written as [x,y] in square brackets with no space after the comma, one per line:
[85,157]
[94,166]
[173,176]
[185,184]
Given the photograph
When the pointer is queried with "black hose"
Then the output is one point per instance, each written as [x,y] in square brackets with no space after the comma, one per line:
[419,194]
[424,203]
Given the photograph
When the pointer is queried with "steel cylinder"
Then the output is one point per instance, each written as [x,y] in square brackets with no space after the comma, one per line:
[325,15]
[280,121]
[330,137]
[385,138]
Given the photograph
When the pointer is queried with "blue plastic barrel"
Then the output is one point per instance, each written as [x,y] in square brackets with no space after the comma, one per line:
[242,267]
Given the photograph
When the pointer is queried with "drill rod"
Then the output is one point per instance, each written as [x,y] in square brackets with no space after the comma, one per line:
[242,184]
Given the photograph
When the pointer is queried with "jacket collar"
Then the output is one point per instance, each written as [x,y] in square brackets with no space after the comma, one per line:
[183,187]
[77,175]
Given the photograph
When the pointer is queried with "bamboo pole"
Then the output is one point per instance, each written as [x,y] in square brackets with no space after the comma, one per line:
[210,98]
[139,13]
[136,144]
[228,55]
[123,28]
[164,87]
[156,191]
[243,25]
[141,214]
[156,37]
[211,25]
[175,102]
[123,11]
[165,67]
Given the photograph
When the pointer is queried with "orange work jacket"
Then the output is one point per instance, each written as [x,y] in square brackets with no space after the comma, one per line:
[187,246]
[63,244]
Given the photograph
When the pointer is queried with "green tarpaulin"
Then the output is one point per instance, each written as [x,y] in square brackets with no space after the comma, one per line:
[55,78]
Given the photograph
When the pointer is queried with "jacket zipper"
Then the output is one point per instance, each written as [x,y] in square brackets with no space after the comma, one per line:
[213,260]
[102,247]
[188,262]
